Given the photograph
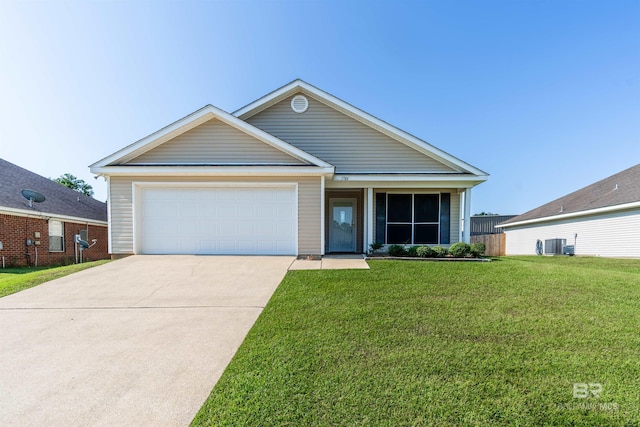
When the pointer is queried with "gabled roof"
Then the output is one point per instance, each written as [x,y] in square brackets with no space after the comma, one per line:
[191,121]
[360,115]
[619,191]
[60,200]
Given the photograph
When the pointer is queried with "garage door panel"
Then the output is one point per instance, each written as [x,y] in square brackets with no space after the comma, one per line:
[189,211]
[208,246]
[218,220]
[226,195]
[190,247]
[189,227]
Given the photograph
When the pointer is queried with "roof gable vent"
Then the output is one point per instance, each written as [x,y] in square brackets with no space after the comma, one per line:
[299,104]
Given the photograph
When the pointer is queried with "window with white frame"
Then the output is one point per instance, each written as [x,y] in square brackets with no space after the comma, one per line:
[413,218]
[56,236]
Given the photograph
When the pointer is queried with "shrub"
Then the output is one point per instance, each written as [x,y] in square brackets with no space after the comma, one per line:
[375,247]
[460,249]
[413,251]
[425,252]
[396,250]
[439,251]
[477,249]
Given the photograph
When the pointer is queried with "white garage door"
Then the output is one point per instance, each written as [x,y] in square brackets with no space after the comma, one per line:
[225,220]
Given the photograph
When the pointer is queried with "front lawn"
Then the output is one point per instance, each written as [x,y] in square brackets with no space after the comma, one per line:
[450,344]
[16,279]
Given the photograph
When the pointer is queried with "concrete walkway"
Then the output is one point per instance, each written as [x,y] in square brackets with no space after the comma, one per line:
[331,262]
[139,341]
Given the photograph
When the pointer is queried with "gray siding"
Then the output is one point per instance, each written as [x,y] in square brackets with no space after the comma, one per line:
[309,217]
[342,141]
[454,236]
[215,142]
[121,208]
[309,202]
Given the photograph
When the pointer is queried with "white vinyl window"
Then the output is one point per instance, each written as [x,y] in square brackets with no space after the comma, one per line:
[56,236]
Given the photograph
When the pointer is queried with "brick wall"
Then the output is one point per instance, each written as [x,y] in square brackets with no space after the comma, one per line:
[15,230]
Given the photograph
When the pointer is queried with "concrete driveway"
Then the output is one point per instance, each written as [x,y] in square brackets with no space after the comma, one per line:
[139,341]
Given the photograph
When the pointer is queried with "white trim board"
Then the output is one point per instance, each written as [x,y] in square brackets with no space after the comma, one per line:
[191,121]
[187,170]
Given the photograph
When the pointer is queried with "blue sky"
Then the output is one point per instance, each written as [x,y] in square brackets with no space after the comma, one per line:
[543,95]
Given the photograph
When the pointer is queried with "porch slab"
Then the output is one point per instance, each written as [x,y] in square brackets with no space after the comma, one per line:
[331,262]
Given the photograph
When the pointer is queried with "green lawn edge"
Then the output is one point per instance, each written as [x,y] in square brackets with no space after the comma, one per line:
[14,280]
[414,343]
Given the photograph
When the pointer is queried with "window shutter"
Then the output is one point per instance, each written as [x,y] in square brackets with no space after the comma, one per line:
[445,218]
[381,217]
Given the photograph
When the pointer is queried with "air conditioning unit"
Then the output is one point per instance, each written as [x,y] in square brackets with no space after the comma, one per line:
[554,246]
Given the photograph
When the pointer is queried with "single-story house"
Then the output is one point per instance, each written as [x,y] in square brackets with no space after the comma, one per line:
[296,172]
[602,219]
[42,233]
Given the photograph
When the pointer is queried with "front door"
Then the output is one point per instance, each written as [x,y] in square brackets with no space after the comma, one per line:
[342,226]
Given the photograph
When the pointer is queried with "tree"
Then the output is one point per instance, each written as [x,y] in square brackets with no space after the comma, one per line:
[75,184]
[486,214]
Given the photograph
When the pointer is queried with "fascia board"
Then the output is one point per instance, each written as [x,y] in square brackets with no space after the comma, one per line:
[204,114]
[607,209]
[274,141]
[212,170]
[410,177]
[47,215]
[453,185]
[403,181]
[408,139]
[266,99]
[147,140]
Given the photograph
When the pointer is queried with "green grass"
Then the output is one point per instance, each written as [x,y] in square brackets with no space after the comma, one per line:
[448,344]
[14,280]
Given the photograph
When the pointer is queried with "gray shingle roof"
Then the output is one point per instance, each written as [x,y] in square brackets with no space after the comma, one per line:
[618,189]
[59,199]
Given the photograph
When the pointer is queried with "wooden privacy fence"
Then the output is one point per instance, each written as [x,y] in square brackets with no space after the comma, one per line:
[495,243]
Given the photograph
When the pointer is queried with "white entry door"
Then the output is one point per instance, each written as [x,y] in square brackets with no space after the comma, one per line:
[217,220]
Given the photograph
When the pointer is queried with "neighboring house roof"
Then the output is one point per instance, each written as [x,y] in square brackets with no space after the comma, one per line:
[362,116]
[619,191]
[60,200]
[209,112]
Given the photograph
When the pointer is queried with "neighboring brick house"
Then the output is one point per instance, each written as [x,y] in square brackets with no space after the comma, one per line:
[49,227]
